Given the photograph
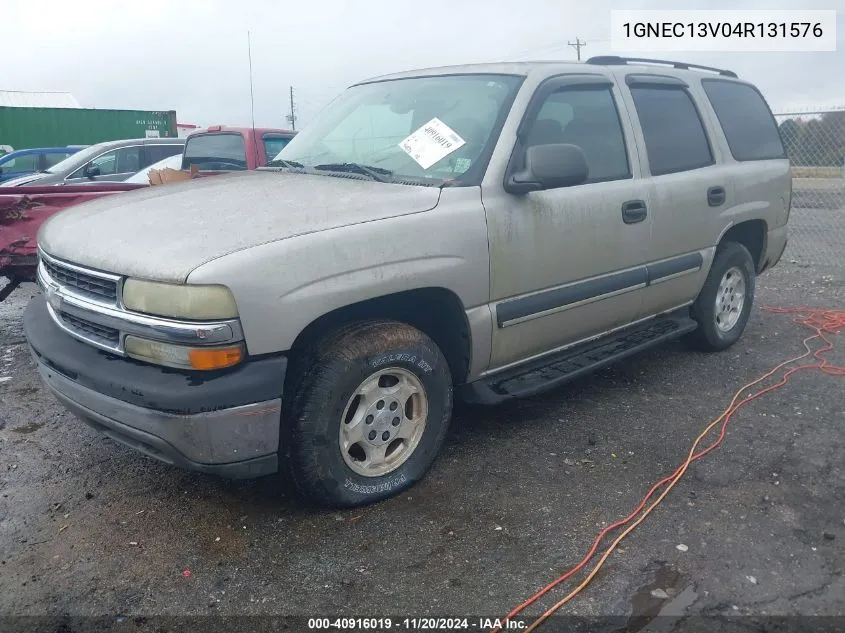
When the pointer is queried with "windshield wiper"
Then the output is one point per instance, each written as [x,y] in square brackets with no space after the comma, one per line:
[281,162]
[376,173]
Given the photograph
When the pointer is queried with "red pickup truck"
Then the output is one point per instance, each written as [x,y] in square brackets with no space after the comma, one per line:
[222,148]
[24,209]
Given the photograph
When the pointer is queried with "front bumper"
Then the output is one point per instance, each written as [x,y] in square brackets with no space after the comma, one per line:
[225,422]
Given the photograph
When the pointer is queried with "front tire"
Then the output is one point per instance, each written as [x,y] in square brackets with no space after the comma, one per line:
[369,410]
[724,303]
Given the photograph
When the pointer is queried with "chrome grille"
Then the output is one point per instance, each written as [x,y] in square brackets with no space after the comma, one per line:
[91,329]
[83,283]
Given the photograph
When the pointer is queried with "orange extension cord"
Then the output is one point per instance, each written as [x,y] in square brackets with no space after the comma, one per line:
[822,322]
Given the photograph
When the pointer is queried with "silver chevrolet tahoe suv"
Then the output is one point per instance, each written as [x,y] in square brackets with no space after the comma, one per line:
[484,231]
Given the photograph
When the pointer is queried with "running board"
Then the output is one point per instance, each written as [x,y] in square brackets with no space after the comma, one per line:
[552,371]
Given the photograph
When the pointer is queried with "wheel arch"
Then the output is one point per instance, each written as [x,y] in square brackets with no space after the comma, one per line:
[436,311]
[752,234]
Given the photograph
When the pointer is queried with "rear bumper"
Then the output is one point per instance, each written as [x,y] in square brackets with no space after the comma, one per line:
[776,241]
[226,424]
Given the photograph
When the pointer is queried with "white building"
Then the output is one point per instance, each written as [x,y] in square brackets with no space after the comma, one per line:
[27,99]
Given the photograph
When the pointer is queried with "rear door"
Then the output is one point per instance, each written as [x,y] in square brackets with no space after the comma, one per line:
[687,181]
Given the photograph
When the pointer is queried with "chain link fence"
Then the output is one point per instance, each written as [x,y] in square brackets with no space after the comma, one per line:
[815,144]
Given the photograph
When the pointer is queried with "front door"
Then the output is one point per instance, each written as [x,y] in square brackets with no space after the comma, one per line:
[568,264]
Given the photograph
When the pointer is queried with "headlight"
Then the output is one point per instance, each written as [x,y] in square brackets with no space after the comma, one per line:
[203,358]
[183,301]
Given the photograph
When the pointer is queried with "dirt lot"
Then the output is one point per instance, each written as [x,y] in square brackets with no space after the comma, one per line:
[88,527]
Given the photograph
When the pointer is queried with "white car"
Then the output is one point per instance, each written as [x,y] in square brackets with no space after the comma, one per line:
[143,176]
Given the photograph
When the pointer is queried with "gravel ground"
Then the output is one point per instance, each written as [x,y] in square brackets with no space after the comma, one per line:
[88,527]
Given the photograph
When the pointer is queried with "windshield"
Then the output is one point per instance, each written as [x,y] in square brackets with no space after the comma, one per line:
[77,160]
[428,129]
[21,162]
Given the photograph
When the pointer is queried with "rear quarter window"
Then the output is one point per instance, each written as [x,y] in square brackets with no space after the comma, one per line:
[746,120]
[155,153]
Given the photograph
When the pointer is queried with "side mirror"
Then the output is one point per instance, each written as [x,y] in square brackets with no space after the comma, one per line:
[91,170]
[549,167]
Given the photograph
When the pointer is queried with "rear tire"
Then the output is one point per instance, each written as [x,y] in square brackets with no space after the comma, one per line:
[369,408]
[724,303]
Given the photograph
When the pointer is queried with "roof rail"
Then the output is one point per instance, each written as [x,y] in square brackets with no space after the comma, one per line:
[613,60]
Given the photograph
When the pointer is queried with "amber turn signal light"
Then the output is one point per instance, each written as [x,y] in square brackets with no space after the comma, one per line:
[215,358]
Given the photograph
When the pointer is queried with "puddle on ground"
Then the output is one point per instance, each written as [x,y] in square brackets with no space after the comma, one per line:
[32,427]
[668,596]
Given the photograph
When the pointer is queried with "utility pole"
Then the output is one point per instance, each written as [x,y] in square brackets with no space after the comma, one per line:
[577,46]
[292,116]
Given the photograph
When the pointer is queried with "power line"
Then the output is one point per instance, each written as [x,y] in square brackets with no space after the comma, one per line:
[531,51]
[577,46]
[251,94]
[554,46]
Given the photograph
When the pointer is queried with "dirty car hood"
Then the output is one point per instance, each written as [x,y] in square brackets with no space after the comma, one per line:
[166,231]
[24,180]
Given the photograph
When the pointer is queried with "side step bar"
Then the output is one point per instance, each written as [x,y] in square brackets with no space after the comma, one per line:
[552,371]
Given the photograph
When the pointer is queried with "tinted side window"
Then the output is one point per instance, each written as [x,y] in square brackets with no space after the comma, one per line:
[53,158]
[589,119]
[749,126]
[106,163]
[117,161]
[156,153]
[211,152]
[273,145]
[674,134]
[128,160]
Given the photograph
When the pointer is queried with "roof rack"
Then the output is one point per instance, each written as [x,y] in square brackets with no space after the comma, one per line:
[613,60]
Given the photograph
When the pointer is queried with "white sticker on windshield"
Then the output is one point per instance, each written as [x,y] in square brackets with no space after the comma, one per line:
[431,142]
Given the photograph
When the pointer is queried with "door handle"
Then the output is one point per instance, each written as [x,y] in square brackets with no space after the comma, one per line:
[716,196]
[634,211]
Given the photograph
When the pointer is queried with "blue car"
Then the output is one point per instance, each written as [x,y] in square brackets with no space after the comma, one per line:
[28,161]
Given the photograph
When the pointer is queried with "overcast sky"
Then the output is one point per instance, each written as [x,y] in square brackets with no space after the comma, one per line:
[191,56]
